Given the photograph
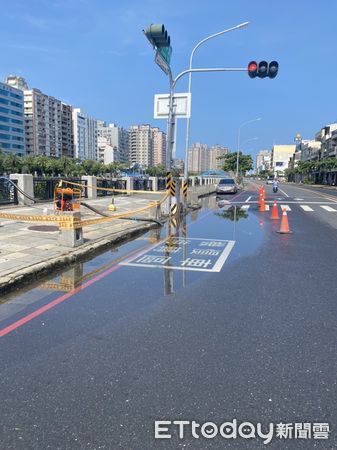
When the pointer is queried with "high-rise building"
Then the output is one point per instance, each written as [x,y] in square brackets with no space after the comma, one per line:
[117,137]
[198,158]
[159,147]
[85,136]
[12,129]
[141,145]
[47,122]
[215,153]
[67,131]
[263,160]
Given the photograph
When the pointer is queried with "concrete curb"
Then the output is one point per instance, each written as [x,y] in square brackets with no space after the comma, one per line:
[32,273]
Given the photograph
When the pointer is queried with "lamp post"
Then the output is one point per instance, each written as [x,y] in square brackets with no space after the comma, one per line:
[239,133]
[241,25]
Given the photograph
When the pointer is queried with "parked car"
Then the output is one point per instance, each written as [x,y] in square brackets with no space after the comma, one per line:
[226,186]
[270,179]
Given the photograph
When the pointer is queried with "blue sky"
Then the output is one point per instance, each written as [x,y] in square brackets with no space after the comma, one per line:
[92,54]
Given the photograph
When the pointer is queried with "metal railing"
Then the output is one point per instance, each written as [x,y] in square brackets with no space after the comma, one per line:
[142,184]
[8,193]
[161,184]
[44,187]
[109,184]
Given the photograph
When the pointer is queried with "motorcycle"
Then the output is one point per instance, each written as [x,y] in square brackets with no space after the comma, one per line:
[275,189]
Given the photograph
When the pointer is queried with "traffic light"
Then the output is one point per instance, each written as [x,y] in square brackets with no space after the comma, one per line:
[157,35]
[262,69]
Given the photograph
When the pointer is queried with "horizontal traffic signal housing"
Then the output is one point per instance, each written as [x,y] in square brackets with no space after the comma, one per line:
[157,35]
[262,69]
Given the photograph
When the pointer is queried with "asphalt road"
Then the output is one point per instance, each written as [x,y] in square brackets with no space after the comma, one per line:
[96,366]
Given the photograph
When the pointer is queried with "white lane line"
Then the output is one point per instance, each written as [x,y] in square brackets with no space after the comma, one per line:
[245,207]
[306,208]
[283,192]
[328,208]
[286,207]
[248,199]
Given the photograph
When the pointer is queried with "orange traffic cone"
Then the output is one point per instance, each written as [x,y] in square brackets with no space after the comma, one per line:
[262,205]
[284,229]
[274,211]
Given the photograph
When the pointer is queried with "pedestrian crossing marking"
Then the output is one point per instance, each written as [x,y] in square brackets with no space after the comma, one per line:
[328,208]
[245,207]
[306,208]
[286,207]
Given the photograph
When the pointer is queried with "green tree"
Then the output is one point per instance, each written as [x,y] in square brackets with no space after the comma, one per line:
[233,213]
[156,171]
[230,160]
[12,163]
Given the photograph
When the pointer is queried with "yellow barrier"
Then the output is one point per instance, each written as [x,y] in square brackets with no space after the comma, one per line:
[112,189]
[69,222]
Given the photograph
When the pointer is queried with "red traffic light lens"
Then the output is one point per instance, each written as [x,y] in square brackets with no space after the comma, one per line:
[252,67]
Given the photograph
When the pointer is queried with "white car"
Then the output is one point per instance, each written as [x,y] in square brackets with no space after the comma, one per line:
[270,180]
[226,186]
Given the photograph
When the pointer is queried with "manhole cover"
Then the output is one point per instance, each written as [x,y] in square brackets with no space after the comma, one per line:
[46,228]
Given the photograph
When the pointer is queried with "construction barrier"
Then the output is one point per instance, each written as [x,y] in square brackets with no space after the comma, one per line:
[68,222]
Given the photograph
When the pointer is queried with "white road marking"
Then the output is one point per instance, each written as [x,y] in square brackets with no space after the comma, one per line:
[248,199]
[306,208]
[283,192]
[328,208]
[286,207]
[132,261]
[245,207]
[267,207]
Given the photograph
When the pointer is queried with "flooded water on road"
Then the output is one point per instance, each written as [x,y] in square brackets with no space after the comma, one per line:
[202,244]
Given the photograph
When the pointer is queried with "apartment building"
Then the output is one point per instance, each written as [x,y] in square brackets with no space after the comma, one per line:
[263,160]
[198,158]
[159,147]
[84,135]
[216,152]
[48,125]
[141,145]
[115,137]
[12,128]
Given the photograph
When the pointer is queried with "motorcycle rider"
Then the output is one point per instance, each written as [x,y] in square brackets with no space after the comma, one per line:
[275,185]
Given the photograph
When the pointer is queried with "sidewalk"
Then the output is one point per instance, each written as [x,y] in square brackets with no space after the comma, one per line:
[31,249]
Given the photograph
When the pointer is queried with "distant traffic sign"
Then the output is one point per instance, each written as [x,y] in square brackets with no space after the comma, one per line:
[204,255]
[160,61]
[165,53]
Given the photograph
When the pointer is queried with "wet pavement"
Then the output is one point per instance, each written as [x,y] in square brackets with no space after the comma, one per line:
[92,357]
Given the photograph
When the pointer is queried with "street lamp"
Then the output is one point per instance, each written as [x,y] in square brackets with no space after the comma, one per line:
[241,25]
[239,133]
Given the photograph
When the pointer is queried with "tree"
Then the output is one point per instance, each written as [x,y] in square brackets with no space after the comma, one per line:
[12,163]
[156,171]
[230,161]
[233,213]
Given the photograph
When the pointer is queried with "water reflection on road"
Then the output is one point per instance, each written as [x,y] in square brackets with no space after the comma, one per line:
[216,220]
